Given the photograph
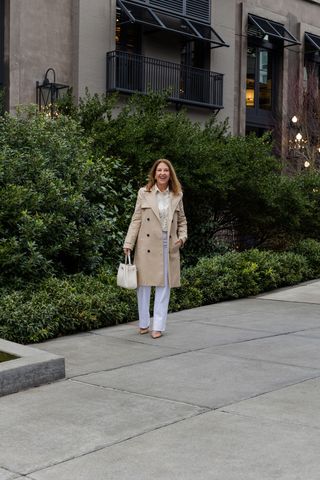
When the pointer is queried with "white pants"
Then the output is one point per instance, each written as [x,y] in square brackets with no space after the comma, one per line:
[161,299]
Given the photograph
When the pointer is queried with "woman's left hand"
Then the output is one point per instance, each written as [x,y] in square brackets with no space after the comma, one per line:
[180,243]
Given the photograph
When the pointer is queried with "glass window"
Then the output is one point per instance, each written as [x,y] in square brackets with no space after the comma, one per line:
[251,75]
[265,80]
[259,78]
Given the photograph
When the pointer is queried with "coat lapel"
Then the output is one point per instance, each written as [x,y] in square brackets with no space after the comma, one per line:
[174,200]
[154,203]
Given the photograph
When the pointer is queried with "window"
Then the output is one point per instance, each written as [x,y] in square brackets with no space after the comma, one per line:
[312,61]
[128,36]
[266,41]
[259,79]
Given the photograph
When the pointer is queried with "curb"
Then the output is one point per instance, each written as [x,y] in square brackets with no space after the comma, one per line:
[32,368]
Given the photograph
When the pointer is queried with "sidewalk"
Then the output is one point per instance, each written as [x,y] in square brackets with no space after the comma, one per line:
[230,392]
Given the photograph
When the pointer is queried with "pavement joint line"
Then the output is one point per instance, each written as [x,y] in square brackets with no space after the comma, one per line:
[197,350]
[11,471]
[287,301]
[261,394]
[174,354]
[108,445]
[267,419]
[239,357]
[203,322]
[270,335]
[141,362]
[204,408]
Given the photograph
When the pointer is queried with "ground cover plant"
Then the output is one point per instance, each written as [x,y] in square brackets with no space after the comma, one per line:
[59,306]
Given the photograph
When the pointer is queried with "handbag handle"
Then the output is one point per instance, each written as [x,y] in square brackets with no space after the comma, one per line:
[127,258]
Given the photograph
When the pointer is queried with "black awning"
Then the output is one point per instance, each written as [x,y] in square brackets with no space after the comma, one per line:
[156,19]
[260,27]
[313,42]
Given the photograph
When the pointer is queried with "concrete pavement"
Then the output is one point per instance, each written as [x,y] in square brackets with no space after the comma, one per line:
[230,392]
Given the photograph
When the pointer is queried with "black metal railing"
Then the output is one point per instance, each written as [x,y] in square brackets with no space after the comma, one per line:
[129,73]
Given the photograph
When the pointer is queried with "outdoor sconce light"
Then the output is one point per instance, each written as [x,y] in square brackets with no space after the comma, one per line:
[49,91]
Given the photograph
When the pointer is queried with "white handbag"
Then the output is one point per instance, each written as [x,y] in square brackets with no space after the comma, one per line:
[127,274]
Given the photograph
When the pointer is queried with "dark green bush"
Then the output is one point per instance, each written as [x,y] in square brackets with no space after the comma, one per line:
[188,296]
[59,306]
[236,275]
[63,306]
[310,249]
[61,210]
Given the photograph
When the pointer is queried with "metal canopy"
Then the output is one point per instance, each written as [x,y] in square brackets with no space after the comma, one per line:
[260,27]
[134,13]
[313,41]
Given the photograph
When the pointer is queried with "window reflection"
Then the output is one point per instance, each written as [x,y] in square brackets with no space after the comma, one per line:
[265,80]
[251,69]
[259,78]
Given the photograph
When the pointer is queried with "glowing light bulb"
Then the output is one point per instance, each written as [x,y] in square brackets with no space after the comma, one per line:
[294,119]
[299,137]
[306,164]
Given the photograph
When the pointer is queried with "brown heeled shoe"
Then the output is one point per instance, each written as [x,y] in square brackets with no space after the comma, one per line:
[143,331]
[156,334]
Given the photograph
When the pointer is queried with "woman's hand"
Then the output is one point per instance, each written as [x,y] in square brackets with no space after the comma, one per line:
[127,251]
[179,243]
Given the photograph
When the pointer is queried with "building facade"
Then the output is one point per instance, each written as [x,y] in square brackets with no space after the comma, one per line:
[236,58]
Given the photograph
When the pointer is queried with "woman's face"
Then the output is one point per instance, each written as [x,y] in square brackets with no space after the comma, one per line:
[162,175]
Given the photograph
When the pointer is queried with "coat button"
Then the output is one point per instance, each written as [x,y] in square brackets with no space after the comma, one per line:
[148,219]
[170,236]
[148,251]
[148,235]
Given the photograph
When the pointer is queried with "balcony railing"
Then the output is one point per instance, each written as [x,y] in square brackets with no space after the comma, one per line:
[129,73]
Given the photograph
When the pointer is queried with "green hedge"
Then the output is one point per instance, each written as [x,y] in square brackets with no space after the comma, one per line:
[58,307]
[81,302]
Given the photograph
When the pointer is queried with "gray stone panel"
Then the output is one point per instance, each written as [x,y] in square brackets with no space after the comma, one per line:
[306,293]
[186,336]
[96,352]
[202,378]
[6,475]
[215,446]
[57,422]
[291,350]
[297,405]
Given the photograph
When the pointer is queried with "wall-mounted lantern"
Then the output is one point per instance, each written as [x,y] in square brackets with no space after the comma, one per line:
[49,91]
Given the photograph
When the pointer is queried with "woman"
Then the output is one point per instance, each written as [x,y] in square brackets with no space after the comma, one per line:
[157,231]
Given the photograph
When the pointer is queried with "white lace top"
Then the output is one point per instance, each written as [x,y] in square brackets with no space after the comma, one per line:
[163,199]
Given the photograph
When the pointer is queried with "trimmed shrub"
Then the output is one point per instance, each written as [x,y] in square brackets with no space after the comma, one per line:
[80,302]
[310,249]
[61,211]
[63,306]
[236,275]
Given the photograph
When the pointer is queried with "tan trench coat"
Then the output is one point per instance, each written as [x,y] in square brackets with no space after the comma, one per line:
[145,237]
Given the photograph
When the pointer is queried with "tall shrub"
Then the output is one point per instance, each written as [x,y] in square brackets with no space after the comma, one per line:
[61,210]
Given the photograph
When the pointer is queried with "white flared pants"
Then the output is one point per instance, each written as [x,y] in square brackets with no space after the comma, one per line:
[161,299]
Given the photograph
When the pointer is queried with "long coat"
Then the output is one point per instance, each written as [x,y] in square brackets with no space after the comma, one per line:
[145,237]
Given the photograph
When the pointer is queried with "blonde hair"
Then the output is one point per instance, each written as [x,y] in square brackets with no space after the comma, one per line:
[174,184]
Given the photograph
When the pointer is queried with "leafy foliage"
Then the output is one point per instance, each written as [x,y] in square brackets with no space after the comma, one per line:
[80,302]
[61,210]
